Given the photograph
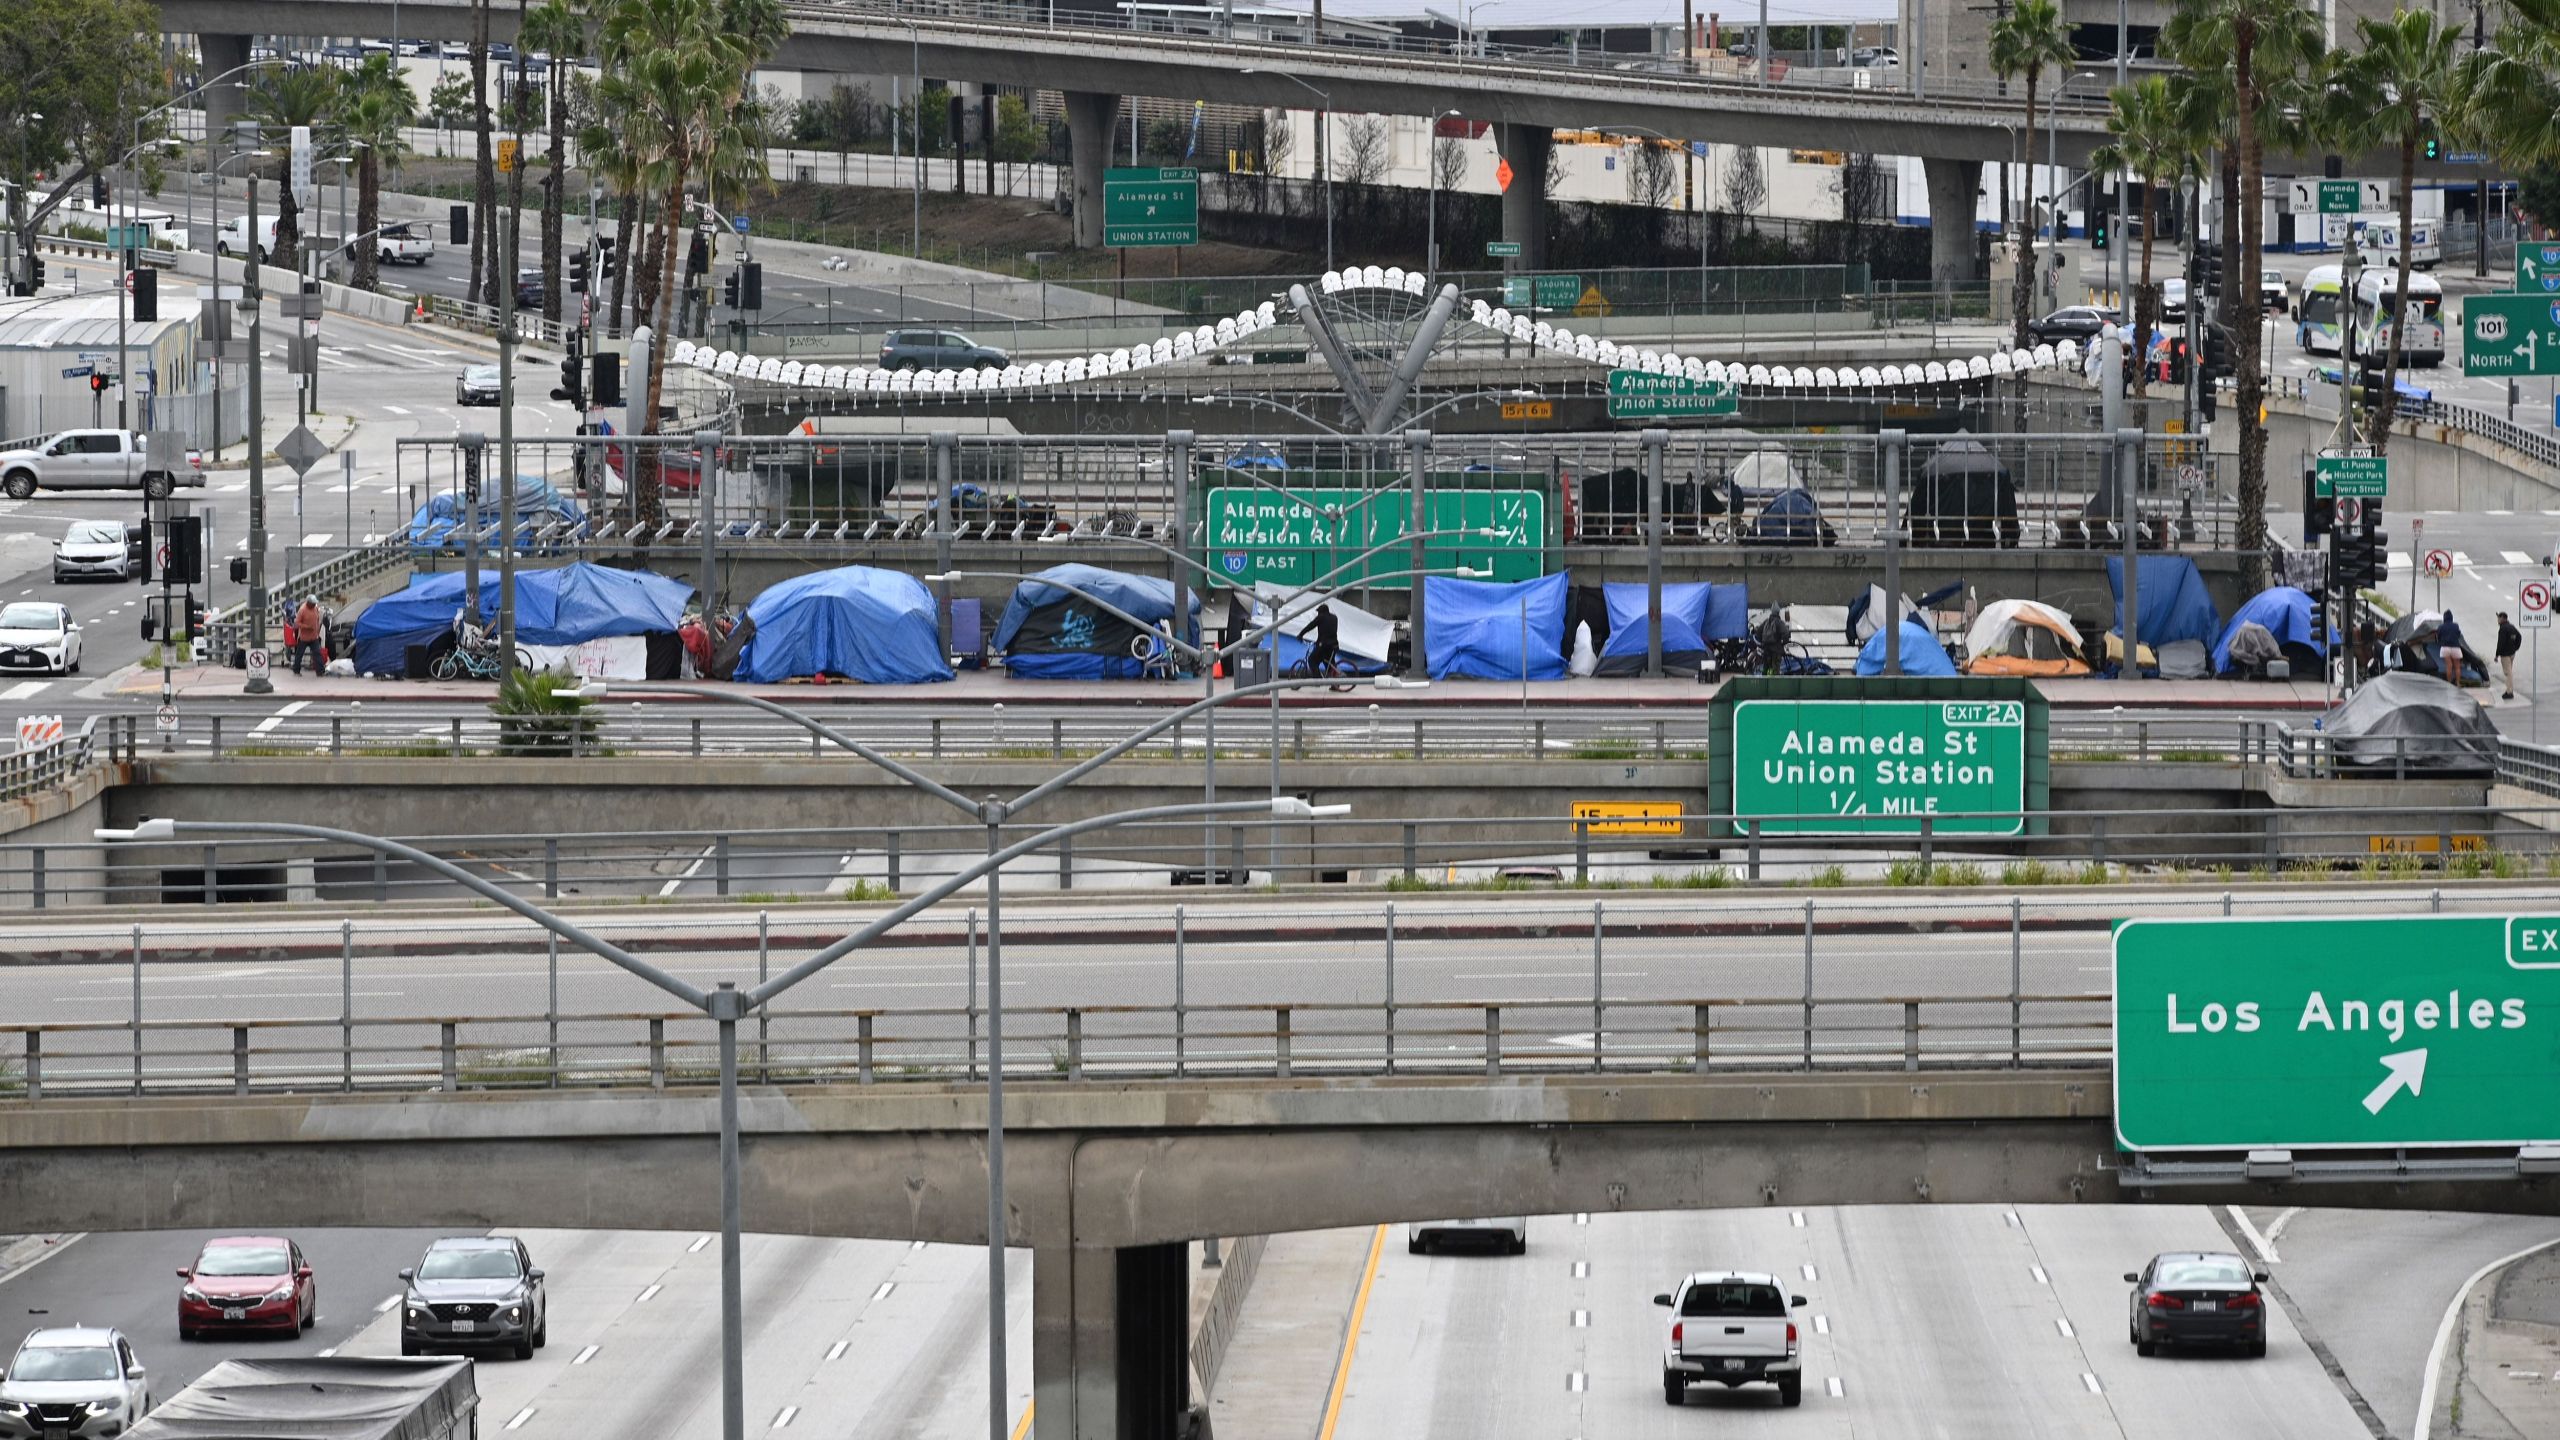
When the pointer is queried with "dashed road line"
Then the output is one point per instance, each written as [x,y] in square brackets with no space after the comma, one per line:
[1821,1324]
[2041,1277]
[649,1294]
[1833,1386]
[696,1247]
[783,1420]
[2064,1325]
[887,1287]
[521,1416]
[583,1356]
[2091,1381]
[836,1351]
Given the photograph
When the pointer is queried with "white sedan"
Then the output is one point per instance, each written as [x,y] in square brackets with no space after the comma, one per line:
[39,635]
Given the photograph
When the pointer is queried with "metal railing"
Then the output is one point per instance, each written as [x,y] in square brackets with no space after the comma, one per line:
[43,769]
[226,630]
[2541,447]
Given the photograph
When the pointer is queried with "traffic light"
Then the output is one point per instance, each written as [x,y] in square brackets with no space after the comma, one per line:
[578,272]
[2362,551]
[2098,229]
[2319,512]
[606,372]
[573,381]
[146,296]
[185,537]
[457,221]
[697,257]
[98,191]
[37,261]
[729,290]
[2431,148]
[97,383]
[751,291]
[608,259]
[2209,271]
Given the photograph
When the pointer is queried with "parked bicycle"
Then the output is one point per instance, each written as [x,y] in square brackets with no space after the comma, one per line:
[475,654]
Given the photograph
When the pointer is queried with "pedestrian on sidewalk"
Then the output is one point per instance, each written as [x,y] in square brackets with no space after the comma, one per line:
[2510,640]
[310,627]
[2449,649]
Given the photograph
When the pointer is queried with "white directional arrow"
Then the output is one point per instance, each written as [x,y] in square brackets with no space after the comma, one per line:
[2408,1072]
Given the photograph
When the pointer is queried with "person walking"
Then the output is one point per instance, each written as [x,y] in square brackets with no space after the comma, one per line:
[2449,649]
[310,627]
[2510,640]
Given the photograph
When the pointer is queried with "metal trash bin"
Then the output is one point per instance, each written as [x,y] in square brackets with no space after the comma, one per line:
[1251,667]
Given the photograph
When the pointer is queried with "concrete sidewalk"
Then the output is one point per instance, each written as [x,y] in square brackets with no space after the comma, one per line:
[2501,1376]
[1288,1340]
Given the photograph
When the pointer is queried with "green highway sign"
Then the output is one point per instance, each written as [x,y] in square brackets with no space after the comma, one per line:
[1502,250]
[2511,335]
[1297,537]
[1151,207]
[2311,1033]
[2337,197]
[2537,267]
[1543,292]
[1643,395]
[2364,477]
[1880,767]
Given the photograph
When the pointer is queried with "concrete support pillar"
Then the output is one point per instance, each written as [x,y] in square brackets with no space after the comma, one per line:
[1524,205]
[1089,125]
[1110,1342]
[1953,189]
[223,54]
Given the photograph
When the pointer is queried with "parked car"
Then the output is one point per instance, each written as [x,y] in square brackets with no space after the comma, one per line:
[1730,1328]
[2272,292]
[93,460]
[476,385]
[93,550]
[475,1290]
[247,1282]
[2073,322]
[403,243]
[2197,1298]
[937,350]
[2173,299]
[72,1383]
[1508,1235]
[39,635]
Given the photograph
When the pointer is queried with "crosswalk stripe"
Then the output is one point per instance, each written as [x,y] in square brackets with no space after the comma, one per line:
[2462,558]
[2399,559]
[25,690]
[2515,557]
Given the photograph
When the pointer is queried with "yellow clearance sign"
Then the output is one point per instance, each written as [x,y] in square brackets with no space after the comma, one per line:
[2426,844]
[1528,409]
[1628,817]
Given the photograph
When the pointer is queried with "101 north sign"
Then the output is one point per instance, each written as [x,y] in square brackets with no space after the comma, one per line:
[1880,767]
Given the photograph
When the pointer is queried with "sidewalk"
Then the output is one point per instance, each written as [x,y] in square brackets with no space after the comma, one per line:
[2503,1371]
[1288,1340]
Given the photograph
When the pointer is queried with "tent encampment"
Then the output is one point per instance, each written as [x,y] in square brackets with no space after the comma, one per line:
[1478,628]
[1921,653]
[590,619]
[2175,605]
[2397,720]
[1364,637]
[2284,612]
[2023,637]
[1684,627]
[875,626]
[2411,643]
[1075,622]
[1963,496]
[440,522]
[1791,517]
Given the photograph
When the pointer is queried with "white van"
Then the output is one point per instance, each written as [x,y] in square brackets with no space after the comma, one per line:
[2379,244]
[234,237]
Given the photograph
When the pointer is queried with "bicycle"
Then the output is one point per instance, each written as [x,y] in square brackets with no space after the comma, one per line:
[474,656]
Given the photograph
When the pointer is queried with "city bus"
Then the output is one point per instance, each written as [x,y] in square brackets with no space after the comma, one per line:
[2317,318]
[2422,319]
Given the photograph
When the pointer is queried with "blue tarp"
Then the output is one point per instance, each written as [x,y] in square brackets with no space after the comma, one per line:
[2174,603]
[1921,653]
[537,505]
[1289,650]
[1474,627]
[567,606]
[2285,611]
[1052,629]
[876,626]
[1728,613]
[1684,623]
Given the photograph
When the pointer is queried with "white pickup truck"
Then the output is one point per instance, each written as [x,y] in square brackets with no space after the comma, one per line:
[92,460]
[1731,1328]
[403,242]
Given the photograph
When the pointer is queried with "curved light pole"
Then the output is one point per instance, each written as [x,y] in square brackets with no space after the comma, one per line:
[1324,161]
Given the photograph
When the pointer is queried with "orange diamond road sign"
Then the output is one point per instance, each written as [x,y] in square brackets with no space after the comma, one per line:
[1502,174]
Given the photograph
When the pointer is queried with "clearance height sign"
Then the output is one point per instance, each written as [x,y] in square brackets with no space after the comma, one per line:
[2303,1034]
[1880,767]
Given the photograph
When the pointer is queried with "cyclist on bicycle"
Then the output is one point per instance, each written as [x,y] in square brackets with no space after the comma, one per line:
[1324,657]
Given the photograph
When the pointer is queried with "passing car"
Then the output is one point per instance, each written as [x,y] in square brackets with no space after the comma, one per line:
[93,550]
[528,289]
[475,1290]
[476,385]
[1507,1235]
[2190,1297]
[2173,300]
[2073,322]
[2272,292]
[39,635]
[1867,55]
[403,242]
[94,460]
[73,1383]
[937,350]
[1731,1328]
[247,1282]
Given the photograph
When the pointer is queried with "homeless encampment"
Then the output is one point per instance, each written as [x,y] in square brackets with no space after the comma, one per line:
[591,620]
[1684,627]
[1490,631]
[2399,720]
[1921,653]
[1963,496]
[439,524]
[2411,644]
[2288,618]
[2176,613]
[1364,638]
[1082,622]
[875,626]
[2023,637]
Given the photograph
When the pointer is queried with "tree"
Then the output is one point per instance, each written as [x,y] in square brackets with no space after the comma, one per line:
[2400,80]
[2148,136]
[1364,149]
[449,103]
[557,30]
[519,99]
[2538,196]
[376,107]
[1017,135]
[1865,196]
[2025,42]
[1745,188]
[484,174]
[2507,93]
[282,101]
[89,68]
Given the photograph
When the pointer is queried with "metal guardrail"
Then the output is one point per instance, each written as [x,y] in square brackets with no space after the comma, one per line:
[531,328]
[42,769]
[2543,449]
[226,630]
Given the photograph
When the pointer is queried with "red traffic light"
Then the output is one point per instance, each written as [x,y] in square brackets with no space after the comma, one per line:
[97,382]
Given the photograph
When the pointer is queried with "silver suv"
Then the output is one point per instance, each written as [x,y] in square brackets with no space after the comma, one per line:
[75,1383]
[937,350]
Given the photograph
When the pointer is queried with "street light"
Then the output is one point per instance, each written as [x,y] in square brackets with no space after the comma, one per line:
[2052,147]
[124,286]
[1324,160]
[1431,162]
[216,261]
[726,1005]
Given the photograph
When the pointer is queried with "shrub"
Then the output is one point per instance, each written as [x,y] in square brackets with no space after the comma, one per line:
[540,713]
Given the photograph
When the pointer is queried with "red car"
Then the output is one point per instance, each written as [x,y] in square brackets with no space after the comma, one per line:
[247,1282]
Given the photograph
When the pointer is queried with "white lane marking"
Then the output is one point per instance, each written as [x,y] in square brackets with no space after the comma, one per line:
[1808,1273]
[1833,1385]
[2462,559]
[278,718]
[1581,1319]
[2041,1277]
[332,1350]
[2515,557]
[521,1416]
[1576,1382]
[2266,1248]
[2444,1337]
[886,1287]
[2092,1382]
[1796,1218]
[315,541]
[1582,1218]
[387,1302]
[698,1242]
[1581,1269]
[25,690]
[647,1294]
[918,1245]
[2399,559]
[2497,512]
[585,1355]
[2275,1227]
[836,1351]
[2011,1216]
[1821,1324]
[2064,1326]
[423,353]
[672,886]
[784,1419]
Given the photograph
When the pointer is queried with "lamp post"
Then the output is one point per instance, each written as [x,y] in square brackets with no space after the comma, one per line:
[727,1004]
[251,296]
[18,205]
[1431,163]
[1324,159]
[124,285]
[216,171]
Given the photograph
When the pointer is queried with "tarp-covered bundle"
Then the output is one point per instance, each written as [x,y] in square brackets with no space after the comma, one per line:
[438,525]
[2174,603]
[320,1398]
[1491,631]
[2397,719]
[2023,637]
[1792,517]
[575,608]
[2286,614]
[2415,641]
[1963,496]
[1921,653]
[875,626]
[1054,629]
[1684,627]
[1364,637]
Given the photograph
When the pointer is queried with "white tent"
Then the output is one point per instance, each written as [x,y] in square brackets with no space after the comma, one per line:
[1362,634]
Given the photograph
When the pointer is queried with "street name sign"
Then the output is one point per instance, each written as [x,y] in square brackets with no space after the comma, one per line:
[1502,249]
[2511,335]
[2291,1033]
[2338,197]
[2537,267]
[1543,292]
[1880,767]
[1151,206]
[1643,395]
[1266,536]
[2364,477]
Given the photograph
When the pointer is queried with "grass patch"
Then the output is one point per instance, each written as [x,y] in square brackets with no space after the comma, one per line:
[2018,873]
[2467,867]
[504,1069]
[266,752]
[2193,757]
[2093,873]
[1962,872]
[1415,884]
[1606,750]
[151,658]
[2506,866]
[1829,877]
[12,1083]
[2094,756]
[1712,877]
[420,751]
[1905,872]
[866,890]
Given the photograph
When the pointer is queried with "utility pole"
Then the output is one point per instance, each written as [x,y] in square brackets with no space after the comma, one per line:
[251,296]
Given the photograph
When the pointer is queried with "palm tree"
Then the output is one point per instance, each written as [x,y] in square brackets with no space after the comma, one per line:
[484,175]
[2148,136]
[303,95]
[2400,80]
[2024,42]
[555,28]
[2506,93]
[378,106]
[510,242]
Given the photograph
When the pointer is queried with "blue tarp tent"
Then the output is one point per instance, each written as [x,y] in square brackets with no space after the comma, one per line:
[2174,603]
[1684,623]
[567,606]
[876,626]
[1921,653]
[1053,630]
[437,524]
[1474,627]
[2284,610]
[1728,613]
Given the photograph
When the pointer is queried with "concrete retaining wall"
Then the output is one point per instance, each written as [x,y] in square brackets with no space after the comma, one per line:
[2433,467]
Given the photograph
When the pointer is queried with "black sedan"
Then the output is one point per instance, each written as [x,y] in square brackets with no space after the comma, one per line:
[2197,1298]
[2073,322]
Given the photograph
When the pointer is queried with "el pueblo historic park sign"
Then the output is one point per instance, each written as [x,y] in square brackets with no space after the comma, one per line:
[2308,1033]
[1880,767]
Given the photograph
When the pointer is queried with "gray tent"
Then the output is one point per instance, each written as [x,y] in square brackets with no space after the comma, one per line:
[337,1398]
[2418,722]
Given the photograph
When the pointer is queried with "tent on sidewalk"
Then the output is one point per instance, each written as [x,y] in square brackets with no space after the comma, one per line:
[590,619]
[2175,605]
[1491,631]
[439,523]
[2023,637]
[2288,617]
[1684,627]
[875,626]
[1074,622]
[1963,496]
[1364,637]
[2400,719]
[1921,653]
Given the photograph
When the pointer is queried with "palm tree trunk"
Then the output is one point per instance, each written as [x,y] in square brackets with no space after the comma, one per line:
[2252,537]
[2145,304]
[515,174]
[368,256]
[484,175]
[2390,402]
[2023,295]
[622,276]
[554,189]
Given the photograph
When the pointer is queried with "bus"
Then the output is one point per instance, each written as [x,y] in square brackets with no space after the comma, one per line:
[2421,318]
[2317,319]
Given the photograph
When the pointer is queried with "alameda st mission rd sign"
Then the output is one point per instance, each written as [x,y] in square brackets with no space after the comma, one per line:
[1880,767]
[2328,1033]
